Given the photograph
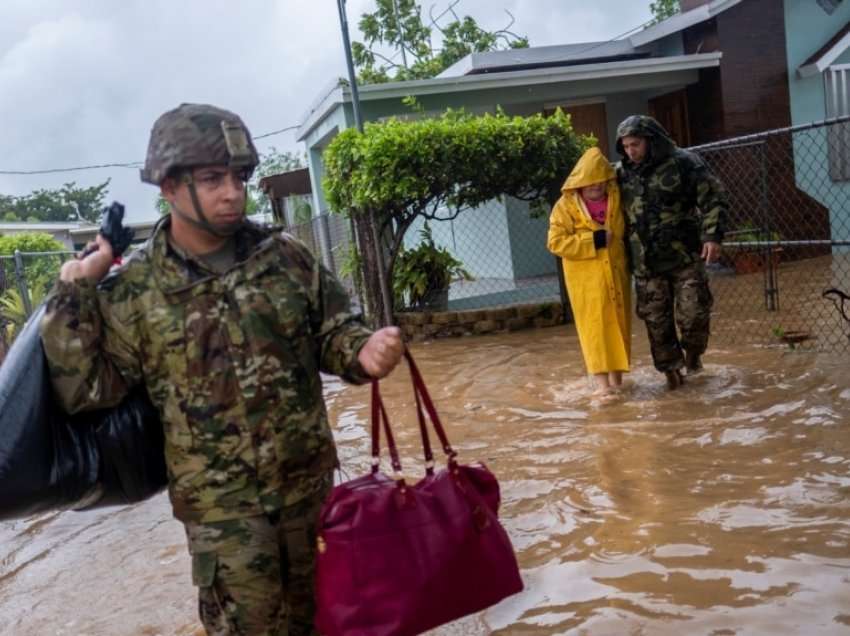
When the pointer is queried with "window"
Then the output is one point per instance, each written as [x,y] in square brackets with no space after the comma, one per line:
[837,91]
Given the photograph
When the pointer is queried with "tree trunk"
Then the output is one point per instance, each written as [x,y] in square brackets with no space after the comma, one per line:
[374,296]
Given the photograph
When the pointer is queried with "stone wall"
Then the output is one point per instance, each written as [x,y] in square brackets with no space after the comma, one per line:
[425,325]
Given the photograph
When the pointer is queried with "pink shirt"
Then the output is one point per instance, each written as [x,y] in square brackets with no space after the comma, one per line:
[597,209]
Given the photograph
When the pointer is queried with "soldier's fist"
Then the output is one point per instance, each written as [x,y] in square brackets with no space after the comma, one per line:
[382,352]
[94,265]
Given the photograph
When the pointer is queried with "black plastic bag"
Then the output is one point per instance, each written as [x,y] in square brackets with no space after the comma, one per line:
[50,461]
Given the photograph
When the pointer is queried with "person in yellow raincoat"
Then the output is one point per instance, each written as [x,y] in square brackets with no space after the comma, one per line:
[586,230]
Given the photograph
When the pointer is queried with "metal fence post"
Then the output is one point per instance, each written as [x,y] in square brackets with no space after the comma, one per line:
[20,278]
[771,282]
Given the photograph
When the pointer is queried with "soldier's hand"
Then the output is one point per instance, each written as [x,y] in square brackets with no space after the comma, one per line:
[382,352]
[93,266]
[710,251]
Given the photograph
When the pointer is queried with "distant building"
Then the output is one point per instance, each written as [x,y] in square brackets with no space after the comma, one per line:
[73,236]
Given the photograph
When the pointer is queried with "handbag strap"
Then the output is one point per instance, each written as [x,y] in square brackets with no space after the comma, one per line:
[423,404]
[423,431]
[420,390]
[379,413]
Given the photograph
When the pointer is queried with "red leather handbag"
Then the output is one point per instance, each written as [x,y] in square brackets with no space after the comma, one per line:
[395,558]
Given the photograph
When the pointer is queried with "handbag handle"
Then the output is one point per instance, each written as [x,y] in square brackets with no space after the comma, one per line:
[419,389]
[423,400]
[379,413]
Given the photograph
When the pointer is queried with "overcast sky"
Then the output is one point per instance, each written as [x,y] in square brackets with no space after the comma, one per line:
[81,81]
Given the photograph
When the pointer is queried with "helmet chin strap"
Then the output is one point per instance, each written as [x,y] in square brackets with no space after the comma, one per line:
[202,222]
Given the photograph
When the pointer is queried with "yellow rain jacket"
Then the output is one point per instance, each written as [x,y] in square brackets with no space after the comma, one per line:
[597,280]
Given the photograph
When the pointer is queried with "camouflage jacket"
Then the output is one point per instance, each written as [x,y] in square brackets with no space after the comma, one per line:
[673,203]
[231,361]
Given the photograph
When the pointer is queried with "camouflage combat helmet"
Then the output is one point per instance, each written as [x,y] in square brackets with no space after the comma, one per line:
[196,135]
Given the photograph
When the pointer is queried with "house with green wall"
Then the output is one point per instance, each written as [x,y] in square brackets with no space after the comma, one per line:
[716,70]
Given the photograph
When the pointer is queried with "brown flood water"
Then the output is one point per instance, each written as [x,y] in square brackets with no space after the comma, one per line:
[720,509]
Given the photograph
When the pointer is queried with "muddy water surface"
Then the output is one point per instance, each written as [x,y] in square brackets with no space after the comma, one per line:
[722,508]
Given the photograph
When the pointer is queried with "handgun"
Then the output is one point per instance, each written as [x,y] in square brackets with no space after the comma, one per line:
[113,230]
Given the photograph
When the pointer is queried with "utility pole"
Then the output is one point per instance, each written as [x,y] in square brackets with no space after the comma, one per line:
[358,122]
[352,78]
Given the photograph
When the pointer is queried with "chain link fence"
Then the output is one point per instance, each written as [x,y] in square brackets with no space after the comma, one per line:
[329,237]
[501,246]
[784,277]
[25,279]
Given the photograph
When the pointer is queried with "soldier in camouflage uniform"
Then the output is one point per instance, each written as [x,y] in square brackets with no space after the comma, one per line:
[676,212]
[227,324]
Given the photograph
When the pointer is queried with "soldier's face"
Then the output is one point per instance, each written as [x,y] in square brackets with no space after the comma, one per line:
[221,193]
[634,147]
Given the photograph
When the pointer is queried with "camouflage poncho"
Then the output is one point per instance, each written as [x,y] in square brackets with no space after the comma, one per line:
[231,361]
[673,203]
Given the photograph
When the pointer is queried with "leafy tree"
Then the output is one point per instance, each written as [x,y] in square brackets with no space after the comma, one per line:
[396,26]
[29,242]
[68,203]
[41,269]
[663,9]
[272,162]
[396,171]
[162,205]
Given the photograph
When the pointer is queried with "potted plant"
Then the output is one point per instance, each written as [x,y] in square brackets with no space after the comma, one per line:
[747,259]
[422,275]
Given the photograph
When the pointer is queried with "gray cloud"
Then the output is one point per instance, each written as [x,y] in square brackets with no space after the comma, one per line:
[81,81]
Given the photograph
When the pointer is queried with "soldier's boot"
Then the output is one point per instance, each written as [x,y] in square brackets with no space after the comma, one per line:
[693,363]
[674,379]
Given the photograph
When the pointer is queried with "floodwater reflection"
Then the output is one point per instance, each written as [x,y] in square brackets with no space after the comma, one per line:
[721,508]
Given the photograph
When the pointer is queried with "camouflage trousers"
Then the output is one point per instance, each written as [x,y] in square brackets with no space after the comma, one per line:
[677,298]
[255,575]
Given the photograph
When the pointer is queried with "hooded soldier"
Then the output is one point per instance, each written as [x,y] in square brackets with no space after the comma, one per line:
[676,213]
[586,229]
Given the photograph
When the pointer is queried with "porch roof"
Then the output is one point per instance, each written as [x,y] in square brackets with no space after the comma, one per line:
[820,60]
[339,94]
[284,184]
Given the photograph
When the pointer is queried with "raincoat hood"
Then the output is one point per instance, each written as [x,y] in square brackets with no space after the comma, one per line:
[591,168]
[660,143]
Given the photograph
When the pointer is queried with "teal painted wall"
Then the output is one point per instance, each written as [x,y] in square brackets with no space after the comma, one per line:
[807,29]
[316,142]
